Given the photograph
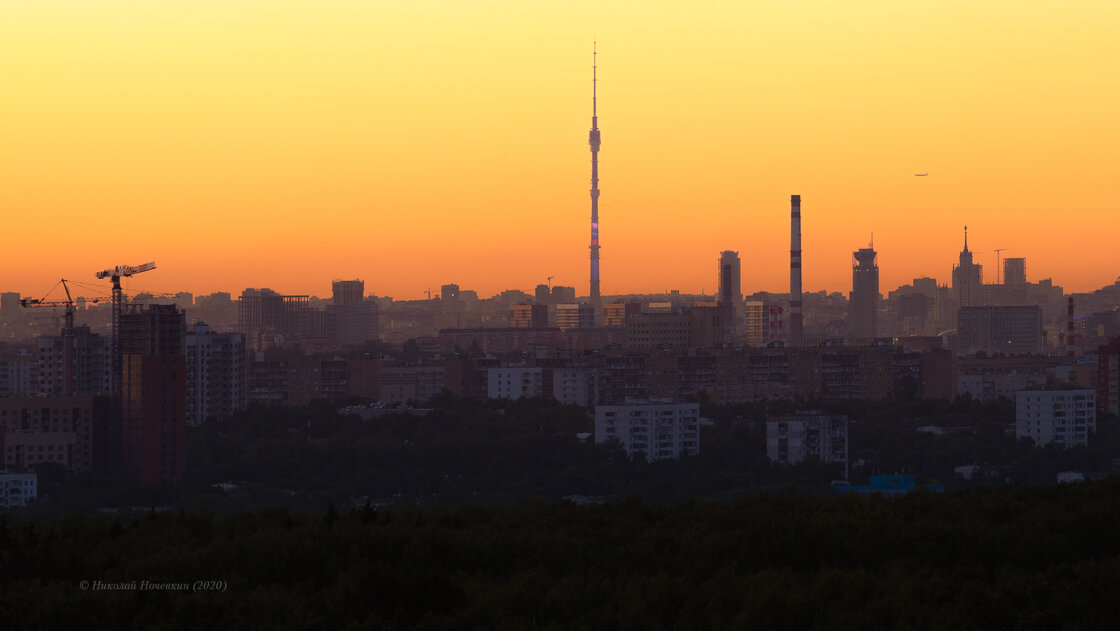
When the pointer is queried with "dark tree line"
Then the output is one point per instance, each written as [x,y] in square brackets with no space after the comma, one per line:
[1011,557]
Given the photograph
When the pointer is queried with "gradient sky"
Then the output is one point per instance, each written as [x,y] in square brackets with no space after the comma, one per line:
[286,143]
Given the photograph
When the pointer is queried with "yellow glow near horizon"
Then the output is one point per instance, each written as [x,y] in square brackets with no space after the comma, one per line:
[287,143]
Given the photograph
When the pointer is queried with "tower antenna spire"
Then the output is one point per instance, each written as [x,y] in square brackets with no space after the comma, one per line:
[593,139]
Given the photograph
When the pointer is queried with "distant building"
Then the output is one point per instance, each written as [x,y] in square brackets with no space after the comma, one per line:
[575,316]
[543,294]
[62,430]
[660,431]
[90,372]
[17,489]
[968,287]
[216,372]
[9,303]
[449,291]
[1108,376]
[528,316]
[514,382]
[1015,271]
[754,315]
[153,424]
[264,315]
[790,439]
[615,313]
[775,326]
[1005,330]
[1063,417]
[730,295]
[563,295]
[863,304]
[347,292]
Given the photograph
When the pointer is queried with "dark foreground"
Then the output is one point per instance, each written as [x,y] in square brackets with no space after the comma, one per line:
[1012,557]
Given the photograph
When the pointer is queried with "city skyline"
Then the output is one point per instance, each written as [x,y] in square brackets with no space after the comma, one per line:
[310,143]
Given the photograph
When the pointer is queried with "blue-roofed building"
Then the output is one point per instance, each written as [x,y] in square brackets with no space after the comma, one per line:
[888,485]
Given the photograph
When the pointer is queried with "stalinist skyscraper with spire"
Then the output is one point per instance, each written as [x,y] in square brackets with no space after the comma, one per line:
[968,289]
[594,140]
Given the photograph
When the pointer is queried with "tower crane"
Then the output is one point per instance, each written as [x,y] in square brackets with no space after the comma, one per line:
[114,274]
[998,250]
[67,329]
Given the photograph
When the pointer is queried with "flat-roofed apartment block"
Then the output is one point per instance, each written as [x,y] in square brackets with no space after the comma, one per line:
[48,429]
[1064,417]
[661,431]
[514,382]
[790,439]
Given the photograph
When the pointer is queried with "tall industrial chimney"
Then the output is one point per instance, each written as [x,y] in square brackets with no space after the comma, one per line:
[795,271]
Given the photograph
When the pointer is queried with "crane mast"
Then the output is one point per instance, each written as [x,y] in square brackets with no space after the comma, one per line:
[114,275]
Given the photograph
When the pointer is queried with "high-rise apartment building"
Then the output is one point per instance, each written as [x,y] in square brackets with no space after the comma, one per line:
[153,426]
[1063,417]
[528,316]
[1015,271]
[754,316]
[216,372]
[730,294]
[863,304]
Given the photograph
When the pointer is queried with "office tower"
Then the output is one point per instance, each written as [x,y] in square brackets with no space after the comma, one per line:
[594,140]
[730,293]
[795,270]
[216,374]
[967,278]
[153,427]
[1015,271]
[863,303]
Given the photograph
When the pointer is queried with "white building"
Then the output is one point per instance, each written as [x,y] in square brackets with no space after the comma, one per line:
[1065,417]
[216,372]
[662,431]
[575,386]
[790,439]
[17,489]
[514,382]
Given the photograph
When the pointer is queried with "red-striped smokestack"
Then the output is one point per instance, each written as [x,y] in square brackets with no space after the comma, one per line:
[1069,331]
[795,270]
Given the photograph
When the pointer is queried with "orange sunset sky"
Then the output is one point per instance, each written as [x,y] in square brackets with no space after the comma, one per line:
[287,143]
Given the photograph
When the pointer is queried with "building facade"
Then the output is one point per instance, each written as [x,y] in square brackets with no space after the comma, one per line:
[863,303]
[659,431]
[1062,417]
